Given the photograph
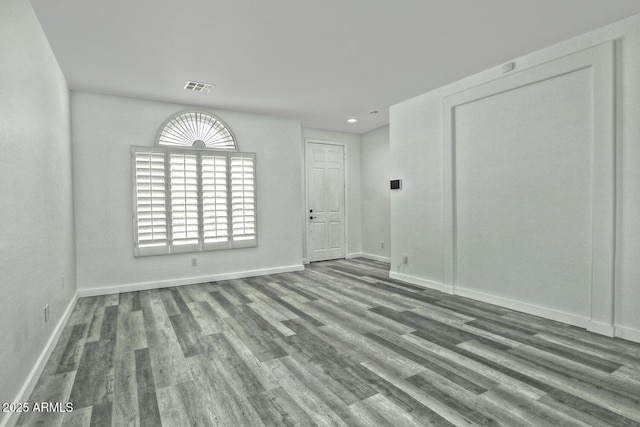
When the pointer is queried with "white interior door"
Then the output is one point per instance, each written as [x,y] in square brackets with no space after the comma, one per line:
[325,201]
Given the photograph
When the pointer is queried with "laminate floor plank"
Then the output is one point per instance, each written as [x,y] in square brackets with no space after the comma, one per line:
[101,415]
[159,317]
[529,338]
[621,357]
[296,284]
[585,411]
[627,406]
[318,355]
[365,348]
[378,410]
[266,299]
[95,326]
[84,310]
[73,350]
[281,291]
[125,401]
[266,378]
[530,412]
[337,344]
[200,408]
[371,297]
[225,359]
[482,366]
[170,305]
[458,374]
[146,390]
[427,409]
[78,418]
[273,317]
[52,388]
[575,368]
[360,319]
[231,407]
[129,301]
[167,359]
[249,331]
[172,411]
[304,311]
[206,317]
[313,404]
[276,408]
[439,314]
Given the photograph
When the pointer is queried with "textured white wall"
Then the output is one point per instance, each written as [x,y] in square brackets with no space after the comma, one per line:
[36,207]
[416,210]
[354,217]
[374,170]
[103,129]
[417,157]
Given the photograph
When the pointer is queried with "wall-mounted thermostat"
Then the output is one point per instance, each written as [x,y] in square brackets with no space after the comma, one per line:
[396,184]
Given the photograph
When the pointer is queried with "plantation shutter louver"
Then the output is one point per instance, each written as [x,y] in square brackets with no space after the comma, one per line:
[243,206]
[215,228]
[150,213]
[183,180]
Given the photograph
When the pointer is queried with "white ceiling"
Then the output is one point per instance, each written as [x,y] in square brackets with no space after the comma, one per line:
[319,61]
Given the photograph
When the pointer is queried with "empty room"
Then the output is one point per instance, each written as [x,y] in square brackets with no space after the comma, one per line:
[340,212]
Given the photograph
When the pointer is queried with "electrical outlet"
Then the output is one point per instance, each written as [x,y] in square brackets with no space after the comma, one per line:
[405,259]
[194,261]
[382,245]
[46,313]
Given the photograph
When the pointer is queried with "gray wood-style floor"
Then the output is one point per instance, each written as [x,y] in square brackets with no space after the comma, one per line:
[337,344]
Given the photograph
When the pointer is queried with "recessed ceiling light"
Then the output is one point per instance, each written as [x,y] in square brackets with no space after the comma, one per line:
[198,86]
[352,120]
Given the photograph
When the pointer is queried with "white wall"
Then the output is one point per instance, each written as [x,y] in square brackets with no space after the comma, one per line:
[36,207]
[374,170]
[103,129]
[419,213]
[352,177]
[416,209]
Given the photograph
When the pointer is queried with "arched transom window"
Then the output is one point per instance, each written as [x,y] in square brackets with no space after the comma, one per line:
[196,129]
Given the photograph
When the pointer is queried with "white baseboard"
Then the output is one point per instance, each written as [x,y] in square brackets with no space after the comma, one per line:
[27,388]
[428,284]
[628,334]
[601,328]
[116,289]
[369,256]
[548,313]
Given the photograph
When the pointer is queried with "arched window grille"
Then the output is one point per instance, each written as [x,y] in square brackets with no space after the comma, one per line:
[196,129]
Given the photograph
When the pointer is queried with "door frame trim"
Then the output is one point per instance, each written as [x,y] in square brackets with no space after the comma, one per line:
[305,177]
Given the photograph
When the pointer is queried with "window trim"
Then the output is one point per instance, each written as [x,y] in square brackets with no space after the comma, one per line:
[169,247]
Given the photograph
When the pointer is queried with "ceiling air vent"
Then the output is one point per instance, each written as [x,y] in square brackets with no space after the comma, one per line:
[198,87]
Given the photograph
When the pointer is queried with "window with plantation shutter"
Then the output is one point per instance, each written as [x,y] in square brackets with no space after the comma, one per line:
[215,223]
[193,199]
[149,201]
[183,185]
[243,215]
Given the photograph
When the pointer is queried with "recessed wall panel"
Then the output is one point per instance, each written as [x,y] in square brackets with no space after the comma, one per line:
[523,193]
